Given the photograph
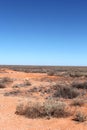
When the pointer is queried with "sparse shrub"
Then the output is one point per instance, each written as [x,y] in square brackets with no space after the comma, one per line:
[63,73]
[2,85]
[27,83]
[79,85]
[51,73]
[78,102]
[18,85]
[46,79]
[15,85]
[46,109]
[12,93]
[66,92]
[56,108]
[78,74]
[6,80]
[75,74]
[20,109]
[80,117]
[34,89]
[31,110]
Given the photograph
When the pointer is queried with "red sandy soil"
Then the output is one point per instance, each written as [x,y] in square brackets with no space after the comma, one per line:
[10,121]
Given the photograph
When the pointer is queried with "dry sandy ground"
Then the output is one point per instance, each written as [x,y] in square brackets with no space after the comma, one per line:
[10,121]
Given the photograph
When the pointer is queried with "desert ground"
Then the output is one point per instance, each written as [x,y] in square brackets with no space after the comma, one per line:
[21,89]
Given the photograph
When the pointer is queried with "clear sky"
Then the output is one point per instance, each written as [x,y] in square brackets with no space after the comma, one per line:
[43,32]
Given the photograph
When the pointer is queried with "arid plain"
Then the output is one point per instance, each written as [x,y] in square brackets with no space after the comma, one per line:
[43,99]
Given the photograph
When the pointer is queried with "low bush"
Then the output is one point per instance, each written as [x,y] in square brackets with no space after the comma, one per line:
[75,74]
[6,80]
[79,85]
[80,117]
[2,85]
[27,83]
[78,74]
[46,109]
[56,108]
[12,93]
[51,73]
[66,92]
[78,102]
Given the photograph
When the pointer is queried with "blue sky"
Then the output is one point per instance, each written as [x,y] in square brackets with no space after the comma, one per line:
[43,32]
